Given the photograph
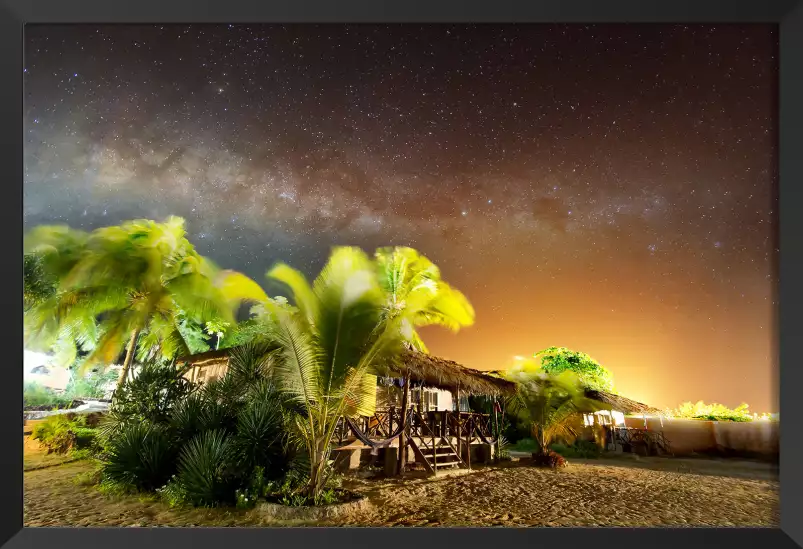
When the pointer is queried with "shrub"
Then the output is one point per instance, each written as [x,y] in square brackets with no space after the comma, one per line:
[224,442]
[503,449]
[62,433]
[35,395]
[711,412]
[260,440]
[139,455]
[92,385]
[525,445]
[582,449]
[173,493]
[553,460]
[203,468]
[152,394]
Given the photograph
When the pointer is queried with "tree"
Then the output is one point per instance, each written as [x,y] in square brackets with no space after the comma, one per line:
[556,360]
[329,344]
[141,278]
[38,286]
[550,403]
[416,295]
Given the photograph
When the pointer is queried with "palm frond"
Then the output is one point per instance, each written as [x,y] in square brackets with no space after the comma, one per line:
[302,292]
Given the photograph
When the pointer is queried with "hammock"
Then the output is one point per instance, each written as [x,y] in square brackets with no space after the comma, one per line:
[375,445]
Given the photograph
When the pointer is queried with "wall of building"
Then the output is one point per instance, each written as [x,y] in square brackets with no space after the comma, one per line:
[689,436]
[445,401]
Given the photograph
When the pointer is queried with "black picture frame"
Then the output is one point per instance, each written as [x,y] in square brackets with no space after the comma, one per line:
[788,14]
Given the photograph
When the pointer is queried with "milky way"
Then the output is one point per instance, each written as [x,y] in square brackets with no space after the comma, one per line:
[608,188]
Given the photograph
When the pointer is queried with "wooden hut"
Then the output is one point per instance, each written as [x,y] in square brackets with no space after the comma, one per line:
[440,431]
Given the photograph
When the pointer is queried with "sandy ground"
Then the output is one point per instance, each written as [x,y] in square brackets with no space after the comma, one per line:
[660,492]
[35,457]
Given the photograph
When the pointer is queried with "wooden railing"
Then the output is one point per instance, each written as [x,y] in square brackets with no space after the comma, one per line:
[466,426]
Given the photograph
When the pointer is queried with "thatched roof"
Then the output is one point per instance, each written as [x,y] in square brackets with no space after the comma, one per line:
[620,403]
[432,371]
[446,374]
[616,402]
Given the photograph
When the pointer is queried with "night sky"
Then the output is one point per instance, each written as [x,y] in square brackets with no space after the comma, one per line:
[607,188]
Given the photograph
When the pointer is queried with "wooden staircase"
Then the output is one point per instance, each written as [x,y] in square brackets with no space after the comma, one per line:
[436,454]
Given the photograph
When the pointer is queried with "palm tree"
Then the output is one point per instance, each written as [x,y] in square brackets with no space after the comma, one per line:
[329,345]
[38,286]
[551,404]
[120,282]
[416,294]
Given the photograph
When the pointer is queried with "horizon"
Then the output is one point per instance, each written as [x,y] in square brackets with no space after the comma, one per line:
[606,188]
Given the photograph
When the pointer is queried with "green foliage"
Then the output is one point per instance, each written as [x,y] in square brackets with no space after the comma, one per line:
[556,360]
[582,449]
[525,445]
[151,395]
[503,448]
[711,412]
[415,292]
[63,433]
[202,470]
[139,455]
[218,435]
[550,403]
[139,283]
[37,395]
[90,385]
[38,284]
[173,493]
[328,347]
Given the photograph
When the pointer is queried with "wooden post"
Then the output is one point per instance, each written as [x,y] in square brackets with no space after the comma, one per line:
[459,424]
[498,434]
[400,464]
[434,449]
[468,440]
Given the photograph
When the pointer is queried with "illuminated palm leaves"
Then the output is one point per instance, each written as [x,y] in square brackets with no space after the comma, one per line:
[416,294]
[550,403]
[328,345]
[117,283]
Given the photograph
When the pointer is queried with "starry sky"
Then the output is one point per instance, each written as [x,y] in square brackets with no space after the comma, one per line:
[608,188]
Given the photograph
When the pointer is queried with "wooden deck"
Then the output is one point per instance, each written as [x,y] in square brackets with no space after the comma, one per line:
[437,440]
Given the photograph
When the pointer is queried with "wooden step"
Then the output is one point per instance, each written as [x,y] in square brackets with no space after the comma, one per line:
[438,451]
[447,463]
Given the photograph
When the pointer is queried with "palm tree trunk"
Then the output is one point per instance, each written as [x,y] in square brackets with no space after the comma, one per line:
[402,455]
[129,357]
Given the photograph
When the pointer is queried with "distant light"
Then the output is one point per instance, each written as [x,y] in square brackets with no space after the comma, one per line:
[464,213]
[518,357]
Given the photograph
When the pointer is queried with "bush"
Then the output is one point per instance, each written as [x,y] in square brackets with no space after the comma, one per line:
[92,385]
[711,412]
[35,395]
[62,433]
[525,445]
[582,449]
[203,474]
[553,460]
[152,394]
[224,442]
[139,455]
